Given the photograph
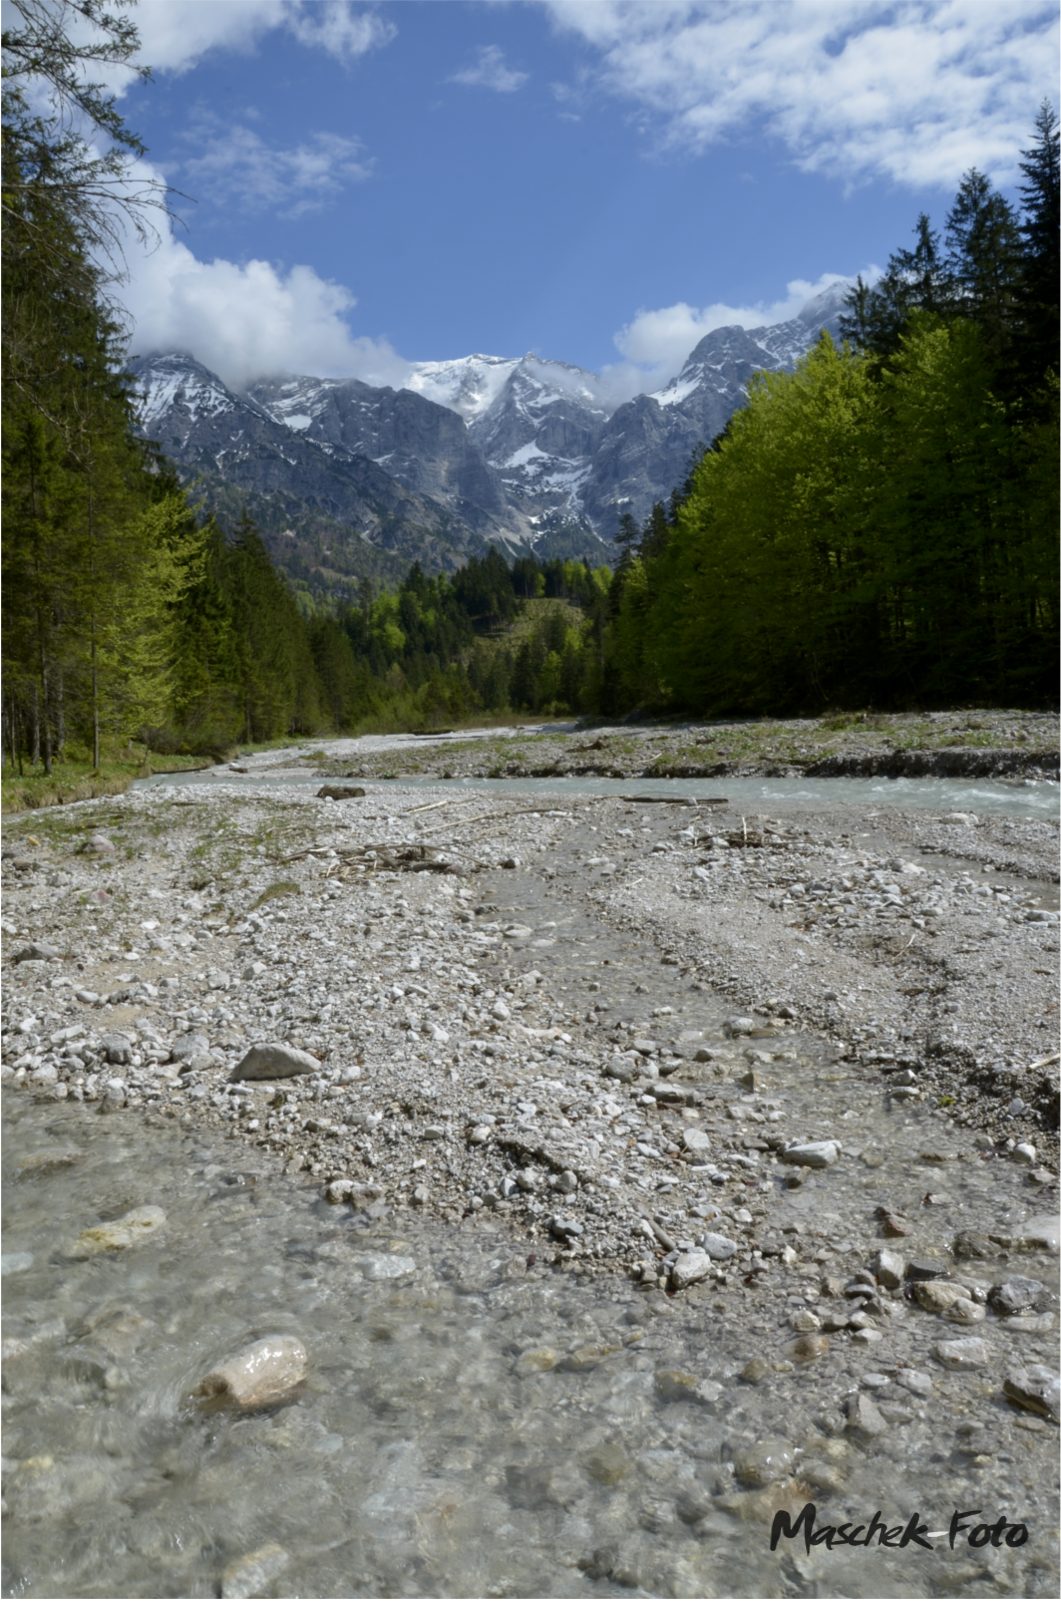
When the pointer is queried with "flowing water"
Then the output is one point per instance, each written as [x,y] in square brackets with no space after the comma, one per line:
[475,1424]
[986,797]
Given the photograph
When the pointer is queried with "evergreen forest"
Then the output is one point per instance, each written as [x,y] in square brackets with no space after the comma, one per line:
[877,527]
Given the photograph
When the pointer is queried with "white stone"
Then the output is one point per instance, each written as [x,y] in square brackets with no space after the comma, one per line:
[962,1354]
[690,1268]
[274,1061]
[248,1576]
[816,1153]
[15,1262]
[262,1374]
[137,1226]
[384,1267]
[719,1246]
[965,1311]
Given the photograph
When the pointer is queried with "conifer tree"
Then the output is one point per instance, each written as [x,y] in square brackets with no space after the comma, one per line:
[1037,289]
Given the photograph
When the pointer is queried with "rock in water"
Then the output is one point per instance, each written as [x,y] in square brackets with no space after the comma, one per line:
[270,1370]
[863,1416]
[962,1354]
[1035,1389]
[248,1576]
[141,1224]
[1017,1294]
[274,1061]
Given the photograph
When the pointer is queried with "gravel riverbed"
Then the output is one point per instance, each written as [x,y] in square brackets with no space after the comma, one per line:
[784,1083]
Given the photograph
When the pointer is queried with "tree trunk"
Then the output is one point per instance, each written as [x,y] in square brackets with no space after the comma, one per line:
[95,700]
[60,717]
[35,747]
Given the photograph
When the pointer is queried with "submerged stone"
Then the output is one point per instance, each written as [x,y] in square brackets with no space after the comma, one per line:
[270,1370]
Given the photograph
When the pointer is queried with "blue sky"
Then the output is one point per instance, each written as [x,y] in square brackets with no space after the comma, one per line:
[593,180]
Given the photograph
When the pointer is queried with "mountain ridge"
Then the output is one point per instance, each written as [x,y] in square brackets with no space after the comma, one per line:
[523,452]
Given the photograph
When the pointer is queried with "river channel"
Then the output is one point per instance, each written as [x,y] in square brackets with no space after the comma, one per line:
[1021,798]
[478,1421]
[474,1424]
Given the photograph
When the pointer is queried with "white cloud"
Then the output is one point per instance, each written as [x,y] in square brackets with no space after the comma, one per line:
[332,25]
[655,344]
[916,91]
[238,168]
[246,320]
[489,72]
[175,35]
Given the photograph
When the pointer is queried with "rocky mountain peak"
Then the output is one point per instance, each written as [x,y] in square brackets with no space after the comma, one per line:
[478,448]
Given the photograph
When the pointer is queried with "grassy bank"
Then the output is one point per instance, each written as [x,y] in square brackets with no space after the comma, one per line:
[73,778]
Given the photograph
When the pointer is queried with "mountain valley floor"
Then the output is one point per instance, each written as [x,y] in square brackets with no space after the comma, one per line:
[790,1074]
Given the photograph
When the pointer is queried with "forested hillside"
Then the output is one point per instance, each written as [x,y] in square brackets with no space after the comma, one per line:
[877,526]
[880,525]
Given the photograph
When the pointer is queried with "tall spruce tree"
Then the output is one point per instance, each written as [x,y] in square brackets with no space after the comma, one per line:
[982,261]
[1037,289]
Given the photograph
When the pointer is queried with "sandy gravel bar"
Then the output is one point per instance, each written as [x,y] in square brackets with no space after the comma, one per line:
[508,1001]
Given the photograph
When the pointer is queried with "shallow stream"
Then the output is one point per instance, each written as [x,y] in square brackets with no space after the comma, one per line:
[1020,798]
[474,1423]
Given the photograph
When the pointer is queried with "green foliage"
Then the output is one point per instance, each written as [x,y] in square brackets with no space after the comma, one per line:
[879,526]
[861,536]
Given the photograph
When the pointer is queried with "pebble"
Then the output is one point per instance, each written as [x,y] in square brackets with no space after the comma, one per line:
[274,1061]
[271,1370]
[915,1381]
[15,1262]
[765,1462]
[924,1272]
[719,1246]
[113,1097]
[187,1046]
[249,1575]
[674,1385]
[384,1267]
[889,1268]
[696,1140]
[972,1247]
[134,1228]
[36,953]
[808,1348]
[816,1153]
[965,1311]
[116,1048]
[863,1415]
[692,1266]
[1036,1389]
[1040,1233]
[540,1359]
[608,1464]
[962,1354]
[1015,1295]
[937,1295]
[45,1163]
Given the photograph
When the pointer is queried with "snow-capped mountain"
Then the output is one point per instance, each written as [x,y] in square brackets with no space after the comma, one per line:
[321,503]
[471,451]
